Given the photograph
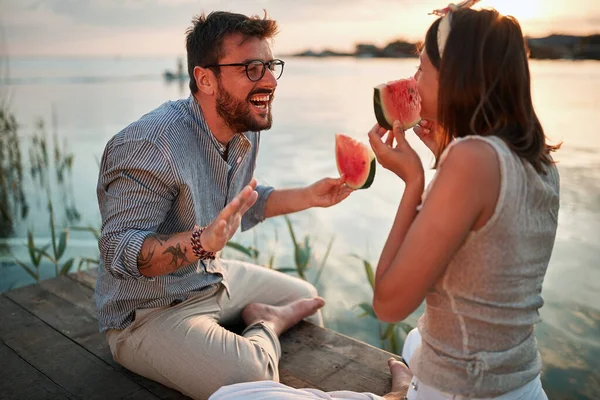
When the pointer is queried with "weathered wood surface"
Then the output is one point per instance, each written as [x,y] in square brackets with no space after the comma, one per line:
[50,347]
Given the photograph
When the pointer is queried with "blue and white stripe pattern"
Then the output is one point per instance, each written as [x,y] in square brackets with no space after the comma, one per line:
[164,174]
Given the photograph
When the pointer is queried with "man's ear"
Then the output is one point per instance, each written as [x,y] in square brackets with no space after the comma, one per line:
[205,80]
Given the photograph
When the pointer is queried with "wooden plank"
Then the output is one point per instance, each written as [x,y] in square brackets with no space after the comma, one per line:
[331,361]
[286,377]
[87,277]
[22,381]
[67,364]
[77,321]
[314,357]
[70,320]
[74,292]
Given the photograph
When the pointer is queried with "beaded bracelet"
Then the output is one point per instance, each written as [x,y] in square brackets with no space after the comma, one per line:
[197,246]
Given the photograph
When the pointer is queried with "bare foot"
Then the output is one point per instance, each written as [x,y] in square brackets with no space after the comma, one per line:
[281,318]
[401,377]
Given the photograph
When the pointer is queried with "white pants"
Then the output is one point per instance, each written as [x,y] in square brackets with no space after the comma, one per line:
[269,390]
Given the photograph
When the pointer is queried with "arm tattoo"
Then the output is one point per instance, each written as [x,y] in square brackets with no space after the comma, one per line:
[178,256]
[154,246]
[145,260]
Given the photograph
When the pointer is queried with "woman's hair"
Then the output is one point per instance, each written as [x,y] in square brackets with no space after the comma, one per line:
[485,85]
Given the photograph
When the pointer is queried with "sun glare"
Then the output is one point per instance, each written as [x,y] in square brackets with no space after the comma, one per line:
[523,10]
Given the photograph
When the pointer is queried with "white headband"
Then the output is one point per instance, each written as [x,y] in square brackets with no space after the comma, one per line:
[446,14]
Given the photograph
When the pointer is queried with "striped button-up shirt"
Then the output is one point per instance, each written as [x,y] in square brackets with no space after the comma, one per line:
[164,174]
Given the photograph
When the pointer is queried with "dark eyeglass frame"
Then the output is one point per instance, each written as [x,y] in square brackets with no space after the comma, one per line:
[246,64]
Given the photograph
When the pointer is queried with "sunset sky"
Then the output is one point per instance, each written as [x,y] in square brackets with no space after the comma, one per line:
[157,27]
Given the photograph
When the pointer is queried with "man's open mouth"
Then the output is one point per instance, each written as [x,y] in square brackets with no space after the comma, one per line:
[260,101]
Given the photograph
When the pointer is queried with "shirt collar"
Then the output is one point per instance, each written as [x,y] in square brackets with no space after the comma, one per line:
[199,117]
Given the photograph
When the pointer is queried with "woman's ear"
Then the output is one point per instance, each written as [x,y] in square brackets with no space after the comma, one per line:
[204,80]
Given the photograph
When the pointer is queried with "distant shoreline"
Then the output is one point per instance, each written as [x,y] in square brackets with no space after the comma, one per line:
[553,47]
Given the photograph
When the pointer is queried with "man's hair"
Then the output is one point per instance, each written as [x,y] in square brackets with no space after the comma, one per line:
[485,85]
[204,39]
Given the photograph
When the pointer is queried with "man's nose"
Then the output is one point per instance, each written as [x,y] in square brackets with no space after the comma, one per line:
[269,79]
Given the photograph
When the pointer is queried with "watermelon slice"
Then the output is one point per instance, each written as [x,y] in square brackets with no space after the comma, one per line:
[355,160]
[397,100]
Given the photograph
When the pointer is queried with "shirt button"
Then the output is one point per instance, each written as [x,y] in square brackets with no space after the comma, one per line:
[239,160]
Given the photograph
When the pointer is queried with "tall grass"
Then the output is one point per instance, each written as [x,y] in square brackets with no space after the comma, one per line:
[50,176]
[52,251]
[13,205]
[304,255]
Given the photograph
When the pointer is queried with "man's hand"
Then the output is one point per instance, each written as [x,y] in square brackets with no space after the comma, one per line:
[328,192]
[324,193]
[218,233]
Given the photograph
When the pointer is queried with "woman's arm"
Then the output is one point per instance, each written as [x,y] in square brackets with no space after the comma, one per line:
[419,247]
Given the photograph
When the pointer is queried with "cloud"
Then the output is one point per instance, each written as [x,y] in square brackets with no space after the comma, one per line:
[158,26]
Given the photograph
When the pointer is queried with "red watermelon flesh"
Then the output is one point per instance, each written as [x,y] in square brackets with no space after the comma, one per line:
[355,160]
[397,100]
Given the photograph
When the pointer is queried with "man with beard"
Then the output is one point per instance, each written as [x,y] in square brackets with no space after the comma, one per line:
[174,187]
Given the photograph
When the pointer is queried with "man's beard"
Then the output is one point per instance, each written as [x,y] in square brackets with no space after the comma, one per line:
[237,114]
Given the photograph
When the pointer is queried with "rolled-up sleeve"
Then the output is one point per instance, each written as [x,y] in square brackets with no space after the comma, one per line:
[256,213]
[136,188]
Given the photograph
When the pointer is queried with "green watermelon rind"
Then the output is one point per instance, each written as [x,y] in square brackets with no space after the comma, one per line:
[380,114]
[379,110]
[370,177]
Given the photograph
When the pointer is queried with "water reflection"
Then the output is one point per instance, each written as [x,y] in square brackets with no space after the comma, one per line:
[314,100]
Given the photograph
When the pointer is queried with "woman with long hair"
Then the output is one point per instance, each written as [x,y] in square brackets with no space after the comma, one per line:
[476,245]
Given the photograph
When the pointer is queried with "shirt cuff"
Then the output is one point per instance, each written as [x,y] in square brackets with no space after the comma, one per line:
[256,213]
[131,245]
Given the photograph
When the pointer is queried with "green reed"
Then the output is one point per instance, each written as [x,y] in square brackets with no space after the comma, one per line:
[304,257]
[52,251]
[12,199]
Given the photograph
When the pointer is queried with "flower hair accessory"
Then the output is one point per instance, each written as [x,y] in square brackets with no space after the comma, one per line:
[446,14]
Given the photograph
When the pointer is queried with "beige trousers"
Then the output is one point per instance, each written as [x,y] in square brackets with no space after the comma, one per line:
[185,346]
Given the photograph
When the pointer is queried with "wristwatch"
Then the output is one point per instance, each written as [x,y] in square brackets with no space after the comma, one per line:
[197,246]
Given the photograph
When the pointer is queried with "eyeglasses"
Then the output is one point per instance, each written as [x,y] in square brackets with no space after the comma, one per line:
[255,69]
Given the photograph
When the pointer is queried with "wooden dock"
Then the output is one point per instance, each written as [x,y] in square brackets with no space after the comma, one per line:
[50,348]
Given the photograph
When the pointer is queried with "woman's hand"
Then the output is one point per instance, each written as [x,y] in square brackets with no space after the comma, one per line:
[426,130]
[400,159]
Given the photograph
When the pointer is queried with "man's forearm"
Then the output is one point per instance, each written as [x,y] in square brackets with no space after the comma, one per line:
[287,201]
[163,254]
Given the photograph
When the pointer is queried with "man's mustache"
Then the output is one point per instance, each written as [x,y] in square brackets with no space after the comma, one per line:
[261,91]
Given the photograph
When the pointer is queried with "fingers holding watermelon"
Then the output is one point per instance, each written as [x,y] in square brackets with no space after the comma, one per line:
[329,191]
[400,159]
[426,131]
[390,139]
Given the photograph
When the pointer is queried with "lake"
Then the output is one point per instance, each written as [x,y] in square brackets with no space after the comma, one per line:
[85,101]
